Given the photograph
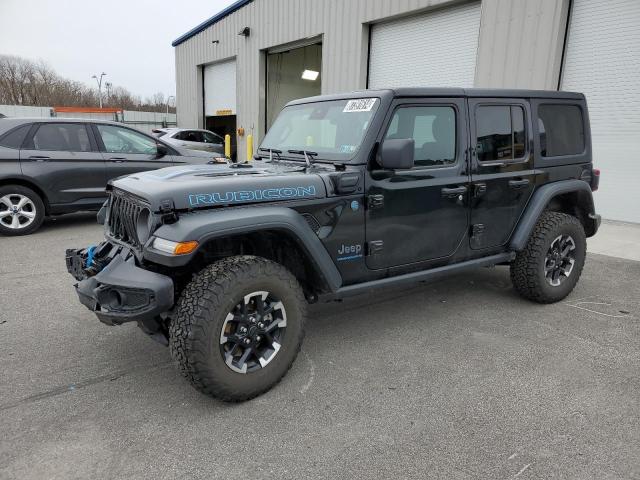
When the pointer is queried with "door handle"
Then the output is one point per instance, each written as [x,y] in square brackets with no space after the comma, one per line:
[517,184]
[117,159]
[39,158]
[453,192]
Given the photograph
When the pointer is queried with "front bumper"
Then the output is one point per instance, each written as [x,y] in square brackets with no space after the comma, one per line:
[120,291]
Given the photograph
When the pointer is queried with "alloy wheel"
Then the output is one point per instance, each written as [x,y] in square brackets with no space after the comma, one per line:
[252,332]
[16,211]
[560,259]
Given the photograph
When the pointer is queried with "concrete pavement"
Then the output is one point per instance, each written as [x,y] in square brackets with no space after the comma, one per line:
[456,379]
[617,239]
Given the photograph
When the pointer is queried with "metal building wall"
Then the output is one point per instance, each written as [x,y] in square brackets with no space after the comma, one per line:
[520,46]
[521,43]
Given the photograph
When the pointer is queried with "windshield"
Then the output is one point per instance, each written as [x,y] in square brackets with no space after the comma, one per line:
[333,129]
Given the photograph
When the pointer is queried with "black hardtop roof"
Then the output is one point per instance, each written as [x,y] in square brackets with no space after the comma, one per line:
[413,92]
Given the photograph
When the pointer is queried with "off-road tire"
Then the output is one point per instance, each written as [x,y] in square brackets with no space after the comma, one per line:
[194,332]
[528,268]
[36,201]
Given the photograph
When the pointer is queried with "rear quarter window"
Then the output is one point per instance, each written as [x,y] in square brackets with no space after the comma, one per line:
[561,130]
[14,138]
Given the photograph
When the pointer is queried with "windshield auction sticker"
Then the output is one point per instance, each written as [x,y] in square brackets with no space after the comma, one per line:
[360,105]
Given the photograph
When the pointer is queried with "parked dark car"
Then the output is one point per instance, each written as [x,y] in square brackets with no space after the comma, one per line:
[56,166]
[402,186]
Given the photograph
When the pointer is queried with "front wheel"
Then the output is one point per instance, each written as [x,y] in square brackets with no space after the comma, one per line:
[550,265]
[238,327]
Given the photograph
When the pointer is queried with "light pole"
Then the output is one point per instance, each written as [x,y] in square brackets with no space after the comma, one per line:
[170,100]
[108,86]
[99,82]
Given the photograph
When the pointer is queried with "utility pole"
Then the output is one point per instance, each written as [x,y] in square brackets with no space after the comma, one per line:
[99,82]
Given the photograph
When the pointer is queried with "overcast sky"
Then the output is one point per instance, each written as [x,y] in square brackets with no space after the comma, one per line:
[130,40]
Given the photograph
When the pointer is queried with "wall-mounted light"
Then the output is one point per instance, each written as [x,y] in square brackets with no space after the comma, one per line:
[245,32]
[310,75]
[215,41]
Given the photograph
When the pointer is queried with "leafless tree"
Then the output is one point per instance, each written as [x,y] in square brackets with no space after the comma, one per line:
[24,82]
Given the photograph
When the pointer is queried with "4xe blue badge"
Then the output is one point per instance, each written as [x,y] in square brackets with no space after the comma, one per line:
[355,205]
[349,252]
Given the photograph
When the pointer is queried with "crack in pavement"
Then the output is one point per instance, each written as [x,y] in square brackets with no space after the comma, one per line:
[82,384]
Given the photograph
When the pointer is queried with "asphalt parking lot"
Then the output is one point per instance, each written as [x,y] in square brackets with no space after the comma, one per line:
[457,379]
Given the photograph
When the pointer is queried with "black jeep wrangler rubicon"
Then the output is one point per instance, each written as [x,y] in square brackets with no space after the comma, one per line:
[348,193]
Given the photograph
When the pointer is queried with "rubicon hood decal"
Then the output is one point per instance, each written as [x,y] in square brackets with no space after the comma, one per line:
[285,193]
[194,187]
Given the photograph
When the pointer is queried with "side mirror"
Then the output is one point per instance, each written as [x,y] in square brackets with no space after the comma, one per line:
[397,154]
[162,150]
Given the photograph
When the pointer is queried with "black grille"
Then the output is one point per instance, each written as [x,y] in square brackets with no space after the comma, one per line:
[123,218]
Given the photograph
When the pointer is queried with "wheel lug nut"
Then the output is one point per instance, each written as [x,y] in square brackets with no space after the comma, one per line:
[258,338]
[247,341]
[260,325]
[243,329]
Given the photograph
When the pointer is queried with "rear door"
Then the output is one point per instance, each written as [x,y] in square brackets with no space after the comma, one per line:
[64,160]
[502,176]
[127,151]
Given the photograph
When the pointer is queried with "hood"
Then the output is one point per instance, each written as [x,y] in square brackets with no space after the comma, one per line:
[206,186]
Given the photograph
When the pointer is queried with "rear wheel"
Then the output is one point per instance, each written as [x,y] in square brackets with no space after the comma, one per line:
[549,267]
[21,210]
[238,327]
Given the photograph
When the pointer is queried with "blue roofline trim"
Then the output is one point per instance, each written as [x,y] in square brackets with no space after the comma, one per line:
[235,6]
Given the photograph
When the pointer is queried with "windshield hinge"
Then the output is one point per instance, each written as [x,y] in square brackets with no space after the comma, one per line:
[167,207]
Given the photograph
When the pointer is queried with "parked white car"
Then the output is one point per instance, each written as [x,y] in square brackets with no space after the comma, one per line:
[193,139]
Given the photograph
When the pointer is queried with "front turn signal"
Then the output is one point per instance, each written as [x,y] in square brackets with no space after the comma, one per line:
[174,248]
[184,248]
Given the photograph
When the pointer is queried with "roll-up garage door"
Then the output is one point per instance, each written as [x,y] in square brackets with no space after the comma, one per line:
[436,49]
[220,89]
[602,60]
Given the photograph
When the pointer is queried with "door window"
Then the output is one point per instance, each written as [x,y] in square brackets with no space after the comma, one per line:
[190,136]
[433,130]
[124,140]
[500,132]
[63,137]
[209,137]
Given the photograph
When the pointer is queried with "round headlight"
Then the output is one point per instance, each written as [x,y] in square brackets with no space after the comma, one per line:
[143,225]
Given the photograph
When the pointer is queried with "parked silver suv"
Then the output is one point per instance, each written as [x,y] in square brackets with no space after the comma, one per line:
[193,139]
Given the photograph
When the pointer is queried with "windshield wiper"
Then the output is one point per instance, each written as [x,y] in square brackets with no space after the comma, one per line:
[271,152]
[306,154]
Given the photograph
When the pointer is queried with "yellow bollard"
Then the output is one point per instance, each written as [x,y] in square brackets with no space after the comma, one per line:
[249,148]
[227,145]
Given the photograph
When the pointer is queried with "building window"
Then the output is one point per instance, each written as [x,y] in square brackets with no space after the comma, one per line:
[501,134]
[561,130]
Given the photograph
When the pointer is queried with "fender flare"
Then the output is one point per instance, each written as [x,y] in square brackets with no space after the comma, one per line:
[539,202]
[207,225]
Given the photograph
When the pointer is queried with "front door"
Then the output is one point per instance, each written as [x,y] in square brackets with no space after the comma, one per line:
[65,161]
[420,214]
[502,177]
[127,151]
